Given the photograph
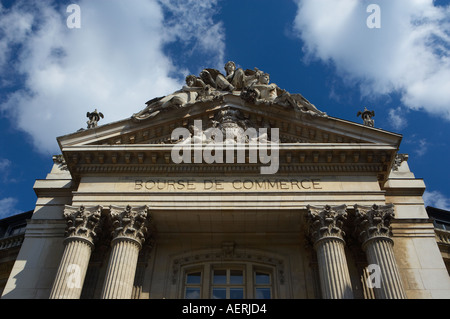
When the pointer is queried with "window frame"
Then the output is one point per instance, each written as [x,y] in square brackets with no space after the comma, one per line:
[228,285]
[256,285]
[187,285]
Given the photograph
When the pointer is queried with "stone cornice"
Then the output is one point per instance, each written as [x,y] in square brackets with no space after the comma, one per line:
[305,158]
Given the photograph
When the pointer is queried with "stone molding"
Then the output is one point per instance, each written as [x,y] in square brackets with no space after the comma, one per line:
[373,222]
[306,158]
[228,252]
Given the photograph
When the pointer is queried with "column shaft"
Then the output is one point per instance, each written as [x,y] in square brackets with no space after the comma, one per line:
[325,230]
[72,270]
[130,230]
[333,271]
[373,228]
[81,231]
[121,270]
[380,252]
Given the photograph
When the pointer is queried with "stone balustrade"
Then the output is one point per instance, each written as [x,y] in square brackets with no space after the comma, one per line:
[11,242]
[442,236]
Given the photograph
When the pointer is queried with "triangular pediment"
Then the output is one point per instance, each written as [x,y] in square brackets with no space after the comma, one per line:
[308,139]
[294,127]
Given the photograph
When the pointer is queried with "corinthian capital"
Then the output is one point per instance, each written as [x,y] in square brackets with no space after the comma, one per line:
[130,222]
[326,222]
[373,221]
[83,222]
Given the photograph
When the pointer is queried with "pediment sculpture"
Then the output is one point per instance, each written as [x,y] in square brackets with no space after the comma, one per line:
[253,86]
[232,127]
[367,117]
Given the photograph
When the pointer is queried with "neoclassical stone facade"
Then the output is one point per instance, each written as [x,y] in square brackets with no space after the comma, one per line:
[229,188]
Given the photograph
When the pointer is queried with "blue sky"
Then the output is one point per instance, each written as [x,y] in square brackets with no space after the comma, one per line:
[127,52]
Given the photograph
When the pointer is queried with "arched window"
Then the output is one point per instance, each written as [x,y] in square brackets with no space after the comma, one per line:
[228,273]
[212,280]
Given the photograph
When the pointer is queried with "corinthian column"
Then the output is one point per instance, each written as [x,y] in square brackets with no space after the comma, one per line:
[82,226]
[373,227]
[129,231]
[325,229]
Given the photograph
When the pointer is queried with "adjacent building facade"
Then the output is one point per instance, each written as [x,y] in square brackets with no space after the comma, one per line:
[12,232]
[441,222]
[230,188]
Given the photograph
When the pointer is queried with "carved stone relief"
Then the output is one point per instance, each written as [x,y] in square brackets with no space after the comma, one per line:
[251,85]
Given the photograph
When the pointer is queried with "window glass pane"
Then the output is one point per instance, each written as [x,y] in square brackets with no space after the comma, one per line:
[194,278]
[192,293]
[236,293]
[439,225]
[220,276]
[262,293]
[219,293]
[236,277]
[262,278]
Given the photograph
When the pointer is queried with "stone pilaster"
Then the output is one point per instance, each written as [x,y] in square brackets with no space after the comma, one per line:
[326,233]
[373,229]
[129,232]
[82,226]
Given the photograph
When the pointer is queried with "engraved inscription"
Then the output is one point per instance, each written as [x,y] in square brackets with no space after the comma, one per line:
[183,185]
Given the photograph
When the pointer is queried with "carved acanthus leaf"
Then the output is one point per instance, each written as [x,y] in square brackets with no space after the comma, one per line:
[83,221]
[326,221]
[130,222]
[373,221]
[399,159]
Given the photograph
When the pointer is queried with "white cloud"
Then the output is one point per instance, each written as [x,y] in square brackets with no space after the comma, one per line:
[397,118]
[409,54]
[421,147]
[7,207]
[5,168]
[191,21]
[4,164]
[436,199]
[115,62]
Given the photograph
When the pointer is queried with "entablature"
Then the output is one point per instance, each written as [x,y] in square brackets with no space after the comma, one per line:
[303,158]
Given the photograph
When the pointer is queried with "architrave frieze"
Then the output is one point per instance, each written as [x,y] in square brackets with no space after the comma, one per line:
[156,159]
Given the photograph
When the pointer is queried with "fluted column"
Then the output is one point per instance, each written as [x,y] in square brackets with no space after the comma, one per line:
[82,226]
[325,230]
[129,232]
[373,227]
